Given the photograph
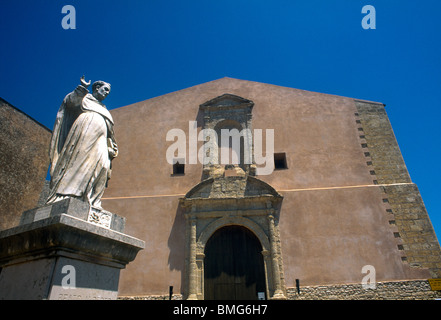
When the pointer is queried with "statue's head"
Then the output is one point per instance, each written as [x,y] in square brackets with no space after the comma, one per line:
[100,90]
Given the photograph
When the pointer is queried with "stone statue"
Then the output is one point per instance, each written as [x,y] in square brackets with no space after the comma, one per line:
[82,146]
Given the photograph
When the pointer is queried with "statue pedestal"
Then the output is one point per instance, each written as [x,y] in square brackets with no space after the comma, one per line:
[65,250]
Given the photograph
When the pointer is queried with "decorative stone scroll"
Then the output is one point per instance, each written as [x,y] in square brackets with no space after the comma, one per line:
[100,217]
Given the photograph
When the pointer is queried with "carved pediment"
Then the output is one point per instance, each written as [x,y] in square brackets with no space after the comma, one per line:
[227,100]
[231,187]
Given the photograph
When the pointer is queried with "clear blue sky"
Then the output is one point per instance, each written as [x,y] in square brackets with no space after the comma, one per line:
[146,48]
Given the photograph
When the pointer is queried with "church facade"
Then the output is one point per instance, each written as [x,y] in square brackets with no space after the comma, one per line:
[245,190]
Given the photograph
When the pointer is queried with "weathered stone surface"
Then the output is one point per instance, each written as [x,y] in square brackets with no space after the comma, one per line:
[24,161]
[73,207]
[33,254]
[415,229]
[234,200]
[64,232]
[393,290]
[387,290]
[82,146]
[42,279]
[382,145]
[407,209]
[231,187]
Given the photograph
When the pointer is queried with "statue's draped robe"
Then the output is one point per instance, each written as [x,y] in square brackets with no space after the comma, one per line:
[80,161]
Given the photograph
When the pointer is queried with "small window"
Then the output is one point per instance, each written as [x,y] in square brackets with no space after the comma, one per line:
[280,161]
[178,168]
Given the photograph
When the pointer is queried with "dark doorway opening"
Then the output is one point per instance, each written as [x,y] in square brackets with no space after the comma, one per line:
[233,265]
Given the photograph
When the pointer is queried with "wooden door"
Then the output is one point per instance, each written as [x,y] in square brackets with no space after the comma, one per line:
[233,265]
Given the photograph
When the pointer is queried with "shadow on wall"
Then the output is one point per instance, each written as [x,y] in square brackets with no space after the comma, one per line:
[176,244]
[176,240]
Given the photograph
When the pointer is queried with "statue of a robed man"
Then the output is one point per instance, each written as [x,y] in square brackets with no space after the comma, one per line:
[82,146]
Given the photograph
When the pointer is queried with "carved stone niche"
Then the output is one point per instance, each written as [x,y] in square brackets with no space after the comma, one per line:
[230,112]
[232,200]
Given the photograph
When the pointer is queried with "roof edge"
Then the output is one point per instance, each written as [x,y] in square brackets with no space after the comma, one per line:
[24,113]
[265,83]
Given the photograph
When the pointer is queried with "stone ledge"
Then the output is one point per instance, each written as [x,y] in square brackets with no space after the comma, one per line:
[72,207]
[69,234]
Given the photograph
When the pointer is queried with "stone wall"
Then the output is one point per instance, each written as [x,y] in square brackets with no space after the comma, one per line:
[420,246]
[393,290]
[24,160]
[382,150]
[152,297]
[397,290]
[406,208]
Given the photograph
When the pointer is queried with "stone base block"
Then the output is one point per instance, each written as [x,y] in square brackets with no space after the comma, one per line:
[54,255]
[59,278]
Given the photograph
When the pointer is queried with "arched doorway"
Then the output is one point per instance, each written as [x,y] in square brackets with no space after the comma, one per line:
[233,265]
[249,203]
